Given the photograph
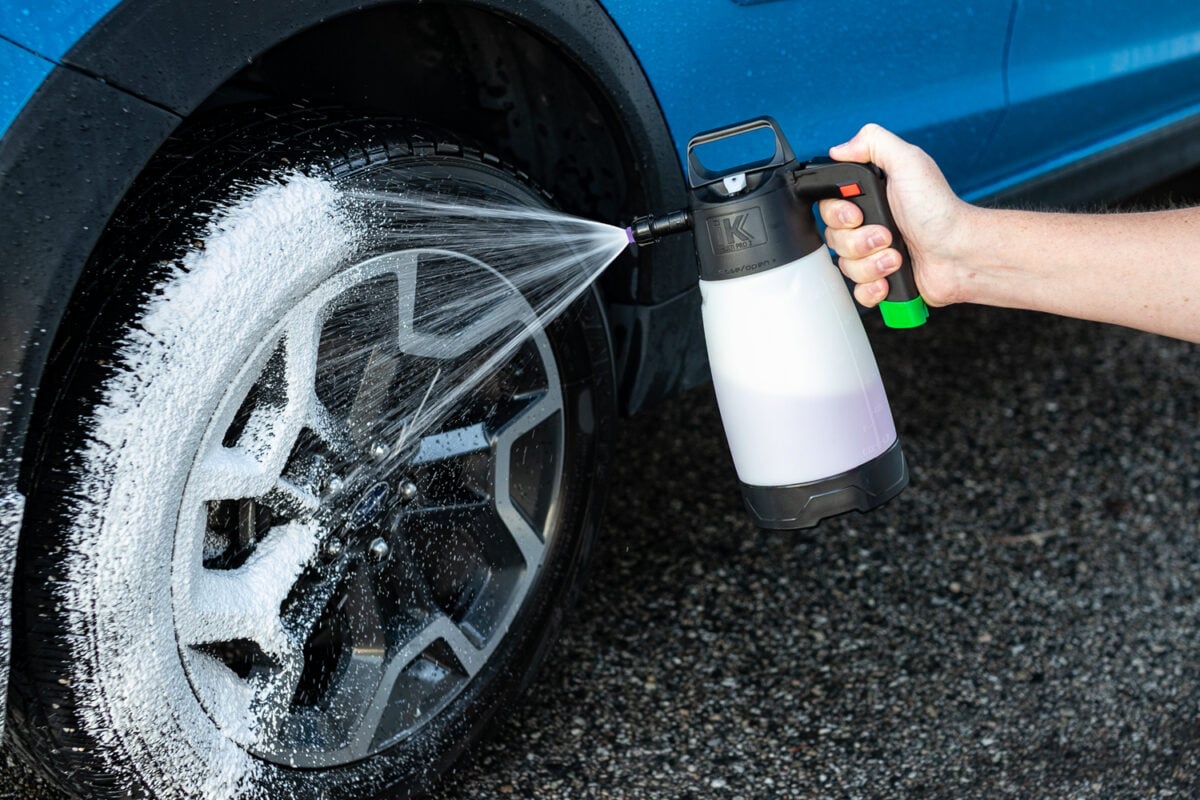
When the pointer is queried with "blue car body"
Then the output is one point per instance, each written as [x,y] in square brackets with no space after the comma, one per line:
[998,92]
[1014,98]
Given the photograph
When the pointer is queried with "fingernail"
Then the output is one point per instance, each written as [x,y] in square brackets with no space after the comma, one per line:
[846,216]
[886,262]
[875,241]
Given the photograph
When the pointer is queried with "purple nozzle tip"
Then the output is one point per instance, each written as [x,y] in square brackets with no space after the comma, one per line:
[649,229]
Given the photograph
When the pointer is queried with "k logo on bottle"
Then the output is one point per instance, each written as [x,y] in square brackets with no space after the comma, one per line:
[740,230]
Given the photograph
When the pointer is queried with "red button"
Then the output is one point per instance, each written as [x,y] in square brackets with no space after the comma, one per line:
[850,189]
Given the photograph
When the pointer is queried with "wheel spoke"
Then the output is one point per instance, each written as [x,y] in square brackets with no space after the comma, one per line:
[474,564]
[363,670]
[440,629]
[519,527]
[272,430]
[252,466]
[479,437]
[291,500]
[272,693]
[409,583]
[230,473]
[332,431]
[492,538]
[369,409]
[456,328]
[453,444]
[243,604]
[300,618]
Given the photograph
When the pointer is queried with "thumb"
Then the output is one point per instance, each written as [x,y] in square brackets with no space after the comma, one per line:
[873,143]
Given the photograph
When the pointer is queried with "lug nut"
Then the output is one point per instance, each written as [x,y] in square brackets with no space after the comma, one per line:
[333,548]
[407,491]
[333,485]
[379,549]
[378,451]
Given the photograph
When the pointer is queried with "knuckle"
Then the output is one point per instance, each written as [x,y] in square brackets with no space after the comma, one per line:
[828,210]
[863,294]
[839,213]
[855,270]
[836,239]
[866,242]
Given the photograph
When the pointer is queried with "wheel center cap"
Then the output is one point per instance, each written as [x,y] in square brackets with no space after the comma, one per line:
[369,506]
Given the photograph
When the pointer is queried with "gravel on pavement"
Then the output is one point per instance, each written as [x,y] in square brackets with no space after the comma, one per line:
[1021,622]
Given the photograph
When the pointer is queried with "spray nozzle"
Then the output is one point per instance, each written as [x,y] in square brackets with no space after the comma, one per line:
[649,229]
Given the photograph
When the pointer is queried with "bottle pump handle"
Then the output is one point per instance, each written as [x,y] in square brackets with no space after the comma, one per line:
[865,186]
[699,175]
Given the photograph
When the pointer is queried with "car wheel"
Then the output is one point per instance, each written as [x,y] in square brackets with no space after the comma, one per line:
[250,566]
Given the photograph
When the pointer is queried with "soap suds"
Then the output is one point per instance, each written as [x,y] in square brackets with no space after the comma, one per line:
[12,511]
[155,409]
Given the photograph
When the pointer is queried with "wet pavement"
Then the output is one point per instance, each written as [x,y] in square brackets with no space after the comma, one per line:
[1021,622]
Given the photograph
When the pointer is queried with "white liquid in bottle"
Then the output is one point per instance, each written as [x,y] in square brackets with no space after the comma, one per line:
[800,394]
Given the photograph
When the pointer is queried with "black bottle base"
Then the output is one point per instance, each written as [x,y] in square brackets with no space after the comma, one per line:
[803,505]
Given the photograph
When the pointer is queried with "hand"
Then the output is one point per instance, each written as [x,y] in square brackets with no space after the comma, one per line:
[930,216]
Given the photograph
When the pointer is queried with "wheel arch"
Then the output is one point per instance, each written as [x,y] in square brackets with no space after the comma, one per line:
[145,68]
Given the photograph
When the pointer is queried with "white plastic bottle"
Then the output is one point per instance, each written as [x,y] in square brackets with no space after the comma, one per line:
[801,398]
[800,394]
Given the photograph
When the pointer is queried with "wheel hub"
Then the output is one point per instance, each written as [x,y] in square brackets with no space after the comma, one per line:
[369,506]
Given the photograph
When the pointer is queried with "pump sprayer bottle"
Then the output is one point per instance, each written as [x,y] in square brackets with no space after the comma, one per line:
[800,395]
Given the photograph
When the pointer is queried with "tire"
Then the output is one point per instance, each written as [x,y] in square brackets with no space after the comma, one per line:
[236,578]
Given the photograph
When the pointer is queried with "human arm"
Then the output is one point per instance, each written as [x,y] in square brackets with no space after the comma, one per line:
[1139,270]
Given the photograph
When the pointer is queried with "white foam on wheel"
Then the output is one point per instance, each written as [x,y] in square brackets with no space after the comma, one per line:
[256,259]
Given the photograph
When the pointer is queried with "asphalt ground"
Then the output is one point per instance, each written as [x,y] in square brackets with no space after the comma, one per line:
[1021,622]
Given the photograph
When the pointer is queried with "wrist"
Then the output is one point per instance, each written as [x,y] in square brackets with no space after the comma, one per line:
[971,226]
[948,272]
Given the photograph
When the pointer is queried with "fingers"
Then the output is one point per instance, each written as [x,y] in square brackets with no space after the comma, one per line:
[866,252]
[858,242]
[840,213]
[872,268]
[869,294]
